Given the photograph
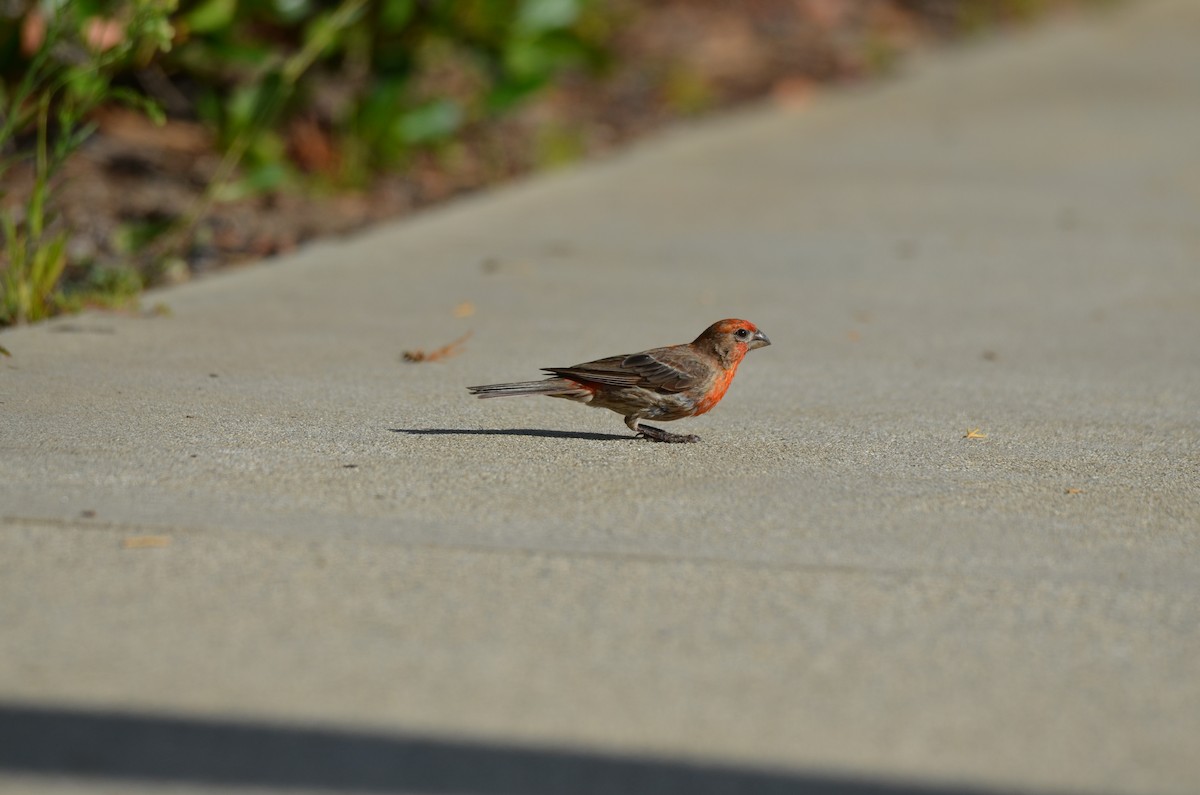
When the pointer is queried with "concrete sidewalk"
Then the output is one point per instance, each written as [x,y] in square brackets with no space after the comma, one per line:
[373,583]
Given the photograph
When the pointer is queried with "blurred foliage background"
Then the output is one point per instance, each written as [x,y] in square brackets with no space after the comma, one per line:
[193,133]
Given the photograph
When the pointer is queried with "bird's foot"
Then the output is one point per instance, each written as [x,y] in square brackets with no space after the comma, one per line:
[659,435]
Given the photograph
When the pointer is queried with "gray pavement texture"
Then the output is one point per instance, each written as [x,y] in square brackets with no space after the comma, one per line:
[375,583]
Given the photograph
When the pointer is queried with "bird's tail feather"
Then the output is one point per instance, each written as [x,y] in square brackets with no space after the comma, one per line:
[554,387]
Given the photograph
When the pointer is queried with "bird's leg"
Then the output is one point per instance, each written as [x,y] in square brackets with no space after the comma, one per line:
[658,434]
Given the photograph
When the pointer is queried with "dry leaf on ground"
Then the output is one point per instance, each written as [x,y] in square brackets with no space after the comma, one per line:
[444,352]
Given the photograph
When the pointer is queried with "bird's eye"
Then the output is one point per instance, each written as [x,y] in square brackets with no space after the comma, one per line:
[741,333]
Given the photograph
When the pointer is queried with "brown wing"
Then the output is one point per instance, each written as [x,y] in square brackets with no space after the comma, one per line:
[672,369]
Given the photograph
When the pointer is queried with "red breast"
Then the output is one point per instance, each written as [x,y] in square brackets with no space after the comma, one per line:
[719,388]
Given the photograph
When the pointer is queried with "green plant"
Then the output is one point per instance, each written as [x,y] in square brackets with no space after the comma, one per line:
[35,259]
[292,90]
[252,113]
[45,117]
[380,80]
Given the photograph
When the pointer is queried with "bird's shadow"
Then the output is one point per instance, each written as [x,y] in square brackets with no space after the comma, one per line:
[546,434]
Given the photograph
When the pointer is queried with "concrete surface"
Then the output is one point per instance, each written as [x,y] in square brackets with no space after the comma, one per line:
[374,583]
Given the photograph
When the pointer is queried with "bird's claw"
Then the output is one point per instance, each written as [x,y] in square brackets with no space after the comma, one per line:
[659,435]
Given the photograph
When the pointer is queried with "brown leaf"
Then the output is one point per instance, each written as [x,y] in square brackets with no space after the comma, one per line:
[446,351]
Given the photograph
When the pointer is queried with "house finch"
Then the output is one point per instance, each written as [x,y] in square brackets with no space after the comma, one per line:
[658,384]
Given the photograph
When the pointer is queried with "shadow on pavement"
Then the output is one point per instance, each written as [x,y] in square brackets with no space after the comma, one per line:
[150,749]
[596,437]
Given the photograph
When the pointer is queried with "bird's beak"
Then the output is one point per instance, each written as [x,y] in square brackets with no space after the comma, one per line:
[759,340]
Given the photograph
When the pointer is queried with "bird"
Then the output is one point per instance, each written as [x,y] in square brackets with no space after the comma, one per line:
[658,384]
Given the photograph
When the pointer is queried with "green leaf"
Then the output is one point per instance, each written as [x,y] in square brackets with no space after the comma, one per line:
[264,178]
[321,36]
[211,15]
[292,11]
[430,122]
[143,103]
[510,93]
[537,59]
[538,16]
[394,14]
[242,104]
